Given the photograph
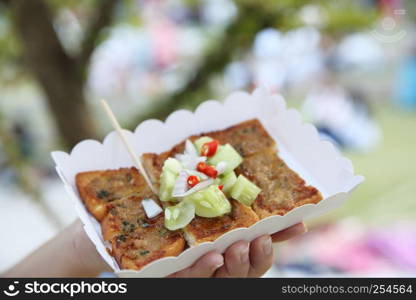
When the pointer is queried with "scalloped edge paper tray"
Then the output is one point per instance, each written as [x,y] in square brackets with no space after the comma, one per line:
[316,161]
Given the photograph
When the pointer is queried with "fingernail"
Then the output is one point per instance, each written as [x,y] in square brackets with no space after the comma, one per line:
[244,253]
[219,262]
[267,246]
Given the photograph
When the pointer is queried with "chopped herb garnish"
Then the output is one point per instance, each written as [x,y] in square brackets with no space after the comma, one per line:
[143,223]
[113,211]
[125,223]
[129,177]
[250,130]
[132,227]
[103,194]
[121,238]
[240,149]
[144,252]
[163,232]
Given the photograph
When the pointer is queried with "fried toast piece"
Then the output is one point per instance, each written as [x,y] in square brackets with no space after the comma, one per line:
[202,230]
[282,188]
[153,164]
[248,138]
[135,239]
[97,188]
[209,229]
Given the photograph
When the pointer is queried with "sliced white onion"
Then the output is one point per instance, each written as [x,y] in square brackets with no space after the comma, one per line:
[181,157]
[181,183]
[196,188]
[201,176]
[190,148]
[221,167]
[190,162]
[151,208]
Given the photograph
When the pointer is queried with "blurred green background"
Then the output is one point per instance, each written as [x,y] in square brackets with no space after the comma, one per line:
[348,66]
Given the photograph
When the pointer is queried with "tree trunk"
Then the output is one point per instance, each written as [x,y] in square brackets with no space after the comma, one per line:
[58,74]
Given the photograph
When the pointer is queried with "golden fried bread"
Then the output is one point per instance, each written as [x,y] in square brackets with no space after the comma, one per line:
[114,198]
[205,229]
[153,164]
[208,229]
[135,239]
[248,138]
[202,230]
[282,188]
[97,188]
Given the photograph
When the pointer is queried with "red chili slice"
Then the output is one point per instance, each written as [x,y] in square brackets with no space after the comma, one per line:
[210,171]
[209,149]
[193,181]
[201,167]
[221,187]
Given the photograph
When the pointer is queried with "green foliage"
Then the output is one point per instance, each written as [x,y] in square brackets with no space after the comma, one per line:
[339,17]
[336,17]
[84,7]
[129,13]
[10,51]
[347,16]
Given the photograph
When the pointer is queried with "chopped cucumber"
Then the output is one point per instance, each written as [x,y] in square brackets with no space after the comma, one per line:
[228,180]
[210,202]
[172,165]
[217,181]
[167,183]
[245,191]
[228,154]
[179,216]
[170,171]
[201,141]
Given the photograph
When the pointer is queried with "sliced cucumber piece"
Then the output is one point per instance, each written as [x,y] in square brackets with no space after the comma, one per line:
[228,154]
[172,165]
[245,191]
[210,202]
[167,183]
[217,181]
[228,180]
[201,141]
[179,215]
[170,171]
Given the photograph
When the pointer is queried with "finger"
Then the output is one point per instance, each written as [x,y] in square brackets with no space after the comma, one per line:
[236,261]
[204,267]
[261,256]
[289,233]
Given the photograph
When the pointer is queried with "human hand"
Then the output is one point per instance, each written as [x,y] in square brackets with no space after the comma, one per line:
[74,255]
[242,259]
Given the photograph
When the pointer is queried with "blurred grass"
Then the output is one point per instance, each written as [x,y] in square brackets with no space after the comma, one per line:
[389,192]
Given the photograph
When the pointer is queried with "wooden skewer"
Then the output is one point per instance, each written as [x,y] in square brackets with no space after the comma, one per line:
[133,155]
